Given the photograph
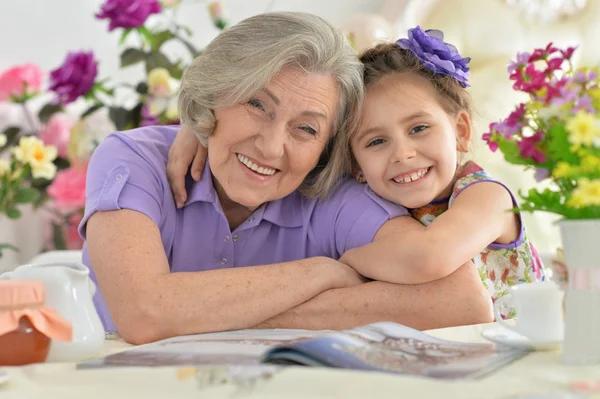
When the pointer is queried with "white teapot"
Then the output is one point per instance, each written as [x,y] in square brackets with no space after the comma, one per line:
[69,291]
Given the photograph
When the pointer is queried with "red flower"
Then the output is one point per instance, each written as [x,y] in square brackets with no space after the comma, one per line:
[529,147]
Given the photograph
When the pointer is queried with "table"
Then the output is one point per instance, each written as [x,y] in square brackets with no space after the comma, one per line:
[538,372]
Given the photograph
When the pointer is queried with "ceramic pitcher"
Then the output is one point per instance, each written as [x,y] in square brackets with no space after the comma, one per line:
[69,291]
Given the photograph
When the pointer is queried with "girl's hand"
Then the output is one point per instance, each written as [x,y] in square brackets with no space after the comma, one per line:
[185,150]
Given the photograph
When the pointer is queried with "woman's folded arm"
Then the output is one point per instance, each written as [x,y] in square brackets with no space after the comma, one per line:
[148,303]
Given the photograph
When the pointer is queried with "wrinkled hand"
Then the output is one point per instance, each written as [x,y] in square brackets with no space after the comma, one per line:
[186,150]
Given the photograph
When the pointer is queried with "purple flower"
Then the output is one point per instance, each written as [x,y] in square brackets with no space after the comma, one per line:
[147,118]
[128,13]
[442,58]
[541,174]
[585,103]
[522,59]
[75,77]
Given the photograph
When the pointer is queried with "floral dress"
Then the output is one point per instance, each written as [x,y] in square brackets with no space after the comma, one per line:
[500,266]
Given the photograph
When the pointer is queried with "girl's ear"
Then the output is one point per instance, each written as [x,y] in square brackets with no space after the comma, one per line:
[463,131]
[357,173]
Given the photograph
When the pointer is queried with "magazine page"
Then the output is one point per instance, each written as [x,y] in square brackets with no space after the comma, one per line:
[390,347]
[231,347]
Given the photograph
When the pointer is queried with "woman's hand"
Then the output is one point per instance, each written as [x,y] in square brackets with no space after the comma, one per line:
[185,150]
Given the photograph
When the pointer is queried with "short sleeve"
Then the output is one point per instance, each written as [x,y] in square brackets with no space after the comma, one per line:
[122,176]
[350,218]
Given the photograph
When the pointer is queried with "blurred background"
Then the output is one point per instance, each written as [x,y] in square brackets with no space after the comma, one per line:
[126,93]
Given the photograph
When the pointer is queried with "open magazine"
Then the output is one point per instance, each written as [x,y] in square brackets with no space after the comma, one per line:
[385,347]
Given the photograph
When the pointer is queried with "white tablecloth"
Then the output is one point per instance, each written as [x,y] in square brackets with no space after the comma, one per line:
[537,372]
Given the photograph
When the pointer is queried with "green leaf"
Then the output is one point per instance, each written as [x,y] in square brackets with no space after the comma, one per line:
[11,134]
[61,163]
[160,38]
[177,70]
[559,146]
[135,115]
[158,60]
[142,88]
[58,237]
[191,48]
[126,33]
[48,110]
[91,110]
[132,56]
[145,34]
[511,152]
[26,195]
[13,213]
[119,116]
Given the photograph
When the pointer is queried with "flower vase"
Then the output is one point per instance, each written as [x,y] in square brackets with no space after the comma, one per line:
[581,242]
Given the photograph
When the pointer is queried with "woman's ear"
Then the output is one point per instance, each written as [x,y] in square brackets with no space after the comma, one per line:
[463,131]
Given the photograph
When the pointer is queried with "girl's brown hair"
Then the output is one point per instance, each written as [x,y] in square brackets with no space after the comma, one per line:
[389,59]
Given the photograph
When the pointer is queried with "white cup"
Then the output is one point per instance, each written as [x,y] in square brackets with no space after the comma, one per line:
[539,308]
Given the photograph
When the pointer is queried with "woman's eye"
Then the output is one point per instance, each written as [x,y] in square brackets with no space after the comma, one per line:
[418,129]
[309,130]
[375,142]
[256,103]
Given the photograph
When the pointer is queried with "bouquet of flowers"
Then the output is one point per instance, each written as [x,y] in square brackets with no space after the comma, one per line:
[556,132]
[47,159]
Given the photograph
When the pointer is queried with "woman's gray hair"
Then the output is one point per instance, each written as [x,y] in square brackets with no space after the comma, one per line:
[246,56]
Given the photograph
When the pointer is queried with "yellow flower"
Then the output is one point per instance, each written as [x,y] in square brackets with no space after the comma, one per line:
[3,140]
[594,93]
[32,151]
[533,105]
[172,111]
[583,129]
[159,82]
[590,163]
[587,193]
[4,167]
[563,170]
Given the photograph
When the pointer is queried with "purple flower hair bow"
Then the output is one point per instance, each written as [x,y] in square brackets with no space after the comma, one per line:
[443,58]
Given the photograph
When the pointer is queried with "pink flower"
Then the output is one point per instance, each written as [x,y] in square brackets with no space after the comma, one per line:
[20,81]
[57,132]
[568,53]
[542,53]
[128,13]
[72,237]
[68,188]
[529,149]
[489,139]
[554,65]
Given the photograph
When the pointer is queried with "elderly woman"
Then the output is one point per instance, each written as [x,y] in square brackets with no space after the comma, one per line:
[267,98]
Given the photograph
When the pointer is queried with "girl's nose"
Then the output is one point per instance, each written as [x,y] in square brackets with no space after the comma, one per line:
[403,151]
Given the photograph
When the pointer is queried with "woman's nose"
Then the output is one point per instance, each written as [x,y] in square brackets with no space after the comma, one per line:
[271,142]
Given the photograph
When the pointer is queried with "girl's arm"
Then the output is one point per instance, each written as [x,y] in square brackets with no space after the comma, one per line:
[148,303]
[458,299]
[406,252]
[185,153]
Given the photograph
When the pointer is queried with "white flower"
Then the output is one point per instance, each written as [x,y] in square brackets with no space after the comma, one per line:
[4,167]
[3,140]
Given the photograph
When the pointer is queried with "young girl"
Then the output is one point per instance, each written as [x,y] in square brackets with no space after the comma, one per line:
[409,149]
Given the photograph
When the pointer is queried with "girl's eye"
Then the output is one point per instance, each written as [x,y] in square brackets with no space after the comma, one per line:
[418,129]
[309,130]
[256,103]
[375,142]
